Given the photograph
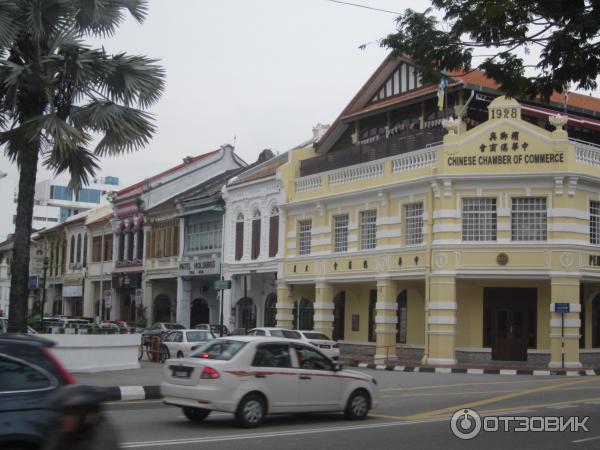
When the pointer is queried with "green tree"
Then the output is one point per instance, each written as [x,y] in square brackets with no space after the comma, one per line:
[565,32]
[58,94]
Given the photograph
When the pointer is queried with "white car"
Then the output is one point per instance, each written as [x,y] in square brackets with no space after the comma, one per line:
[322,342]
[275,332]
[255,376]
[182,342]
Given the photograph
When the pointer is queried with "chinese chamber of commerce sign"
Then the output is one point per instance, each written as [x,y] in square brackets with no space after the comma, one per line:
[505,148]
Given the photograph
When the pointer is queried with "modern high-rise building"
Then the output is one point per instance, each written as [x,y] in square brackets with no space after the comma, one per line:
[55,202]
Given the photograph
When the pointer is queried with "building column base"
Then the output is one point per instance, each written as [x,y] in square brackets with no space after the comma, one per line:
[568,365]
[441,361]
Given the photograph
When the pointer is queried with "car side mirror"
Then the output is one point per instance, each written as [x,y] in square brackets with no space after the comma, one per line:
[337,367]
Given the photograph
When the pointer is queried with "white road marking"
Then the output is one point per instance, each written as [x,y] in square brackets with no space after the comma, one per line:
[562,406]
[237,437]
[586,439]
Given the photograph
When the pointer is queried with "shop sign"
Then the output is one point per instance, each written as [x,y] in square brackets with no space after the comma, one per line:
[126,280]
[72,291]
[505,148]
[108,298]
[198,267]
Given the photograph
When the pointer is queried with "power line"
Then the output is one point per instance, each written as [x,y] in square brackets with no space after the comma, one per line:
[365,7]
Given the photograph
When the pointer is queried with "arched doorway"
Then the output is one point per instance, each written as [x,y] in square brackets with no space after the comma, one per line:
[271,310]
[162,308]
[596,321]
[304,315]
[402,316]
[200,312]
[339,316]
[128,309]
[245,313]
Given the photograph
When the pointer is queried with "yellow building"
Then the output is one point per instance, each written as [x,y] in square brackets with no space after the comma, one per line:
[448,240]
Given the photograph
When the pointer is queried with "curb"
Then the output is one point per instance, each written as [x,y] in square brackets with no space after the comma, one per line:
[474,371]
[128,393]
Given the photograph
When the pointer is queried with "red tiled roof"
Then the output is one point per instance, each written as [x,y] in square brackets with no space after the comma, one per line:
[268,170]
[166,172]
[102,219]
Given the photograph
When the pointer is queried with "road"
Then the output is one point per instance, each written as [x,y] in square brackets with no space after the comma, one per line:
[414,413]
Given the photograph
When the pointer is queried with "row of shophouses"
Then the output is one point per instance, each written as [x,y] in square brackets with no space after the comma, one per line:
[447,235]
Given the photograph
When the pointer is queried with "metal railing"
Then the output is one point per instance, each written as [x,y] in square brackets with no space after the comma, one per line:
[396,144]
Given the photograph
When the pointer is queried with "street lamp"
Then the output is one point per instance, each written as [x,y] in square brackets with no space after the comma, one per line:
[45,267]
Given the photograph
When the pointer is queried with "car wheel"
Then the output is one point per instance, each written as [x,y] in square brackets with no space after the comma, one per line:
[164,354]
[196,414]
[179,354]
[357,407]
[251,411]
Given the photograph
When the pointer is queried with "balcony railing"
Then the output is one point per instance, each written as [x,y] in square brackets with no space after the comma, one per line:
[397,144]
[586,152]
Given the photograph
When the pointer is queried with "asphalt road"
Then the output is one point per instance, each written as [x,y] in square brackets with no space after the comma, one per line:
[414,413]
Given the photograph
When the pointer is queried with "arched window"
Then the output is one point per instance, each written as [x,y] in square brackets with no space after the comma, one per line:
[402,314]
[239,237]
[339,316]
[121,246]
[255,234]
[245,312]
[274,232]
[130,245]
[304,315]
[78,254]
[72,250]
[140,243]
[271,310]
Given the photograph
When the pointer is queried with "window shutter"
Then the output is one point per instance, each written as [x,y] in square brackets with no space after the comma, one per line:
[255,238]
[273,236]
[176,239]
[239,240]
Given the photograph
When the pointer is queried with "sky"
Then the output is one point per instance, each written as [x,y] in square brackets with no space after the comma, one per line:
[260,73]
[257,73]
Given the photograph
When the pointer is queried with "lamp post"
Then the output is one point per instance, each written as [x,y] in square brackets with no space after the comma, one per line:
[45,267]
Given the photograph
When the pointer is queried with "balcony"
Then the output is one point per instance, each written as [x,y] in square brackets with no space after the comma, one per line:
[397,144]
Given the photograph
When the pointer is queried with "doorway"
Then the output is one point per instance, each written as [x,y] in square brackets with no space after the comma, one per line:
[510,322]
[200,312]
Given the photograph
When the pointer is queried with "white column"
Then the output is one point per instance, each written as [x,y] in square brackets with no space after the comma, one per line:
[184,299]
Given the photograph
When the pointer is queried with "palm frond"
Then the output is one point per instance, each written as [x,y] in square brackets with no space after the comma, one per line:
[134,79]
[79,162]
[125,129]
[9,25]
[103,17]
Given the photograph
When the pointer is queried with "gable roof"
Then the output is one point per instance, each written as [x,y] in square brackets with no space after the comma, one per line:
[361,104]
[186,162]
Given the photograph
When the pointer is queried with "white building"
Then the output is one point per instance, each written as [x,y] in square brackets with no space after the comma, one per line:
[55,202]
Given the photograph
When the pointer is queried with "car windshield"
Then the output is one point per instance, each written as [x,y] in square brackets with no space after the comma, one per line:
[222,350]
[311,335]
[286,334]
[199,336]
[174,326]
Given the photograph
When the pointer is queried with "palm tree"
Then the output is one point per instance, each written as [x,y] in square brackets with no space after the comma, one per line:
[57,95]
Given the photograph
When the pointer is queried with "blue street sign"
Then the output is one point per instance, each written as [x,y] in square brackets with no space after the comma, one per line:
[33,282]
[562,307]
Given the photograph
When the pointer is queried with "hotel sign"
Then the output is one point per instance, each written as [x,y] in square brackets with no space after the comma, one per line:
[198,267]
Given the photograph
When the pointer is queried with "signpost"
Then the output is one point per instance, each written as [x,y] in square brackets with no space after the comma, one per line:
[221,285]
[562,308]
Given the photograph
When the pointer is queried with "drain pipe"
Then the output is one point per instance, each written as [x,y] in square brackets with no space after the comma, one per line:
[430,199]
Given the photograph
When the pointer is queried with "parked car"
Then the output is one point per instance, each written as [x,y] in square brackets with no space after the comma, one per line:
[328,346]
[4,327]
[29,374]
[216,329]
[161,329]
[276,332]
[181,343]
[254,376]
[238,332]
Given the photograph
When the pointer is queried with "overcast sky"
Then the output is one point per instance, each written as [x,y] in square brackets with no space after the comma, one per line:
[265,71]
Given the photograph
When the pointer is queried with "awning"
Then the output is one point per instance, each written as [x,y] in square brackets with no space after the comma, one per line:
[73,280]
[573,119]
[201,210]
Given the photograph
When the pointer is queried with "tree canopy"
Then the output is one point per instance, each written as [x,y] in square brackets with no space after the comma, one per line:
[566,33]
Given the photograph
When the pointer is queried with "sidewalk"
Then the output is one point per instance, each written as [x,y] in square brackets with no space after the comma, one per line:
[148,374]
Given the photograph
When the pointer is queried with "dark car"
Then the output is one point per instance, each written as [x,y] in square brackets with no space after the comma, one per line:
[29,374]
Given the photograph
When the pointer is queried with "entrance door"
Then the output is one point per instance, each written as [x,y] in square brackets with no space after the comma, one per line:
[200,312]
[510,335]
[510,318]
